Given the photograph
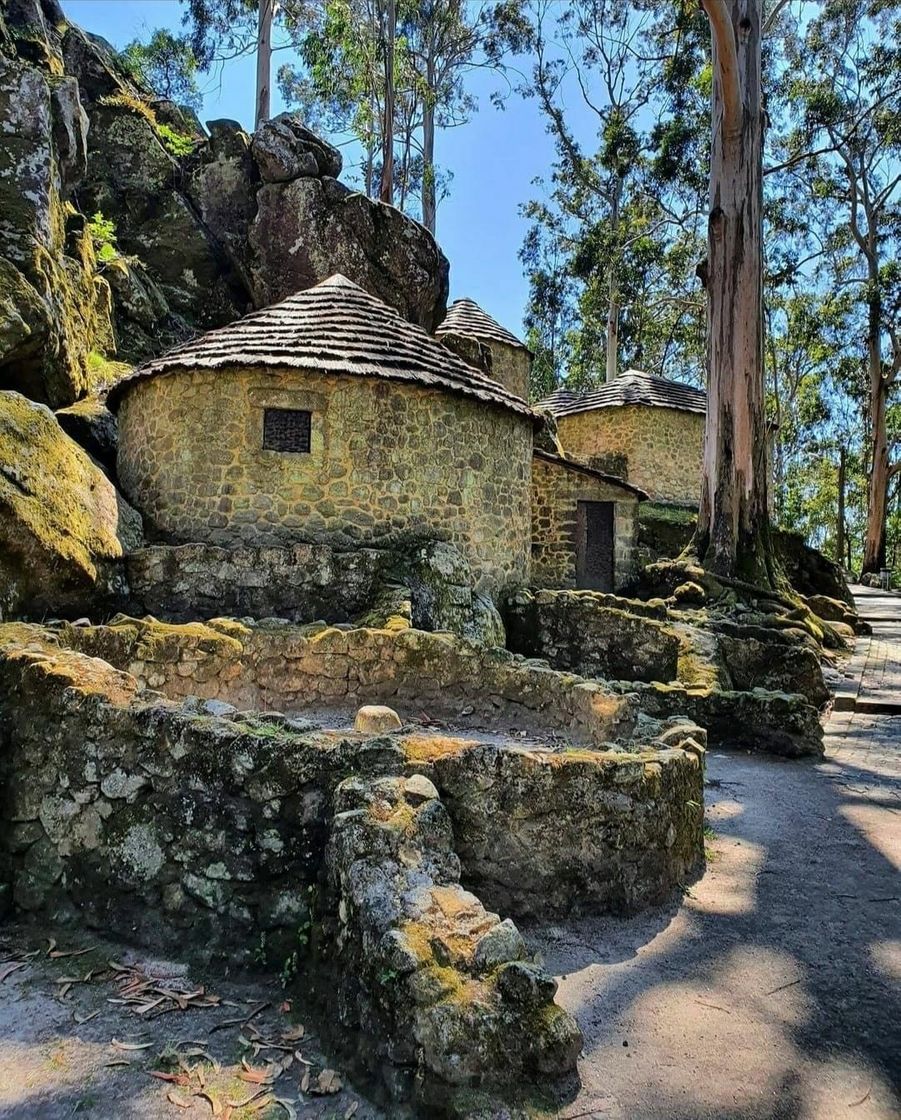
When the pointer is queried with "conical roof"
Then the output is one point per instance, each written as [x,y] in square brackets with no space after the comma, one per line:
[332,328]
[631,387]
[464,316]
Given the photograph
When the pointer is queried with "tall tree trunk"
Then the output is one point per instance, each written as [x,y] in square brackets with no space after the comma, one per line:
[264,62]
[840,519]
[877,496]
[733,522]
[612,352]
[386,189]
[429,201]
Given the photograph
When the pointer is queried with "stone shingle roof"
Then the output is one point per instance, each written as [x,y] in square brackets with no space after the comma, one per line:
[631,387]
[333,328]
[583,468]
[464,316]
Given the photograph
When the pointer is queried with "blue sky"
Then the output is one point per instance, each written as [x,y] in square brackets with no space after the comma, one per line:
[494,159]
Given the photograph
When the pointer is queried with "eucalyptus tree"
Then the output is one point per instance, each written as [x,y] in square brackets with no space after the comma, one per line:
[733,534]
[842,152]
[623,204]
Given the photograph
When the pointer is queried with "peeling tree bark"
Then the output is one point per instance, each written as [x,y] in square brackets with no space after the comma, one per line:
[264,62]
[733,536]
[877,492]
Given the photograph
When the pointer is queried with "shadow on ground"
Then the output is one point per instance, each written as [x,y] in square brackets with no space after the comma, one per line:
[773,990]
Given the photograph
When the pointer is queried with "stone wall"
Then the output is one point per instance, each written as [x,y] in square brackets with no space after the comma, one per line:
[388,462]
[428,585]
[251,838]
[467,1009]
[521,836]
[591,634]
[557,487]
[663,447]
[292,668]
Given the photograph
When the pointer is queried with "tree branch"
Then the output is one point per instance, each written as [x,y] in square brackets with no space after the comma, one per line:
[726,64]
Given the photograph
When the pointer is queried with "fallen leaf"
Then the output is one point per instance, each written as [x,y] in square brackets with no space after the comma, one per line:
[287,1106]
[255,1075]
[293,1034]
[258,1095]
[174,1097]
[117,1045]
[305,1082]
[161,1075]
[285,1007]
[199,1052]
[79,1018]
[64,990]
[51,945]
[351,1110]
[10,969]
[214,1103]
[58,954]
[118,1062]
[327,1082]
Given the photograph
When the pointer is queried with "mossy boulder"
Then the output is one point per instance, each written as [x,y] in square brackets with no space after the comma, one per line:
[91,424]
[63,526]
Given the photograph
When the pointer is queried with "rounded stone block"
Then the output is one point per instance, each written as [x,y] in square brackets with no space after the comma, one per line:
[375,719]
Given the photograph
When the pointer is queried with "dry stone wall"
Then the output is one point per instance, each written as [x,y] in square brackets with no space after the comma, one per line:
[292,668]
[246,837]
[521,835]
[556,490]
[387,462]
[591,633]
[661,448]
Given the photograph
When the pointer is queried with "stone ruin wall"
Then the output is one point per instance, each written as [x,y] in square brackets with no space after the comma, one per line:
[555,491]
[388,461]
[663,447]
[252,840]
[291,669]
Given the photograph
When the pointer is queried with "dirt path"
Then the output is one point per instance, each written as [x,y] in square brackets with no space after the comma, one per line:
[774,990]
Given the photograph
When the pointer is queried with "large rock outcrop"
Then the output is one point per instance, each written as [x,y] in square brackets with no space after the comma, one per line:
[124,227]
[63,526]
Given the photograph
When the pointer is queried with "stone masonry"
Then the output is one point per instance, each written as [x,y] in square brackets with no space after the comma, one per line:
[387,462]
[557,487]
[658,449]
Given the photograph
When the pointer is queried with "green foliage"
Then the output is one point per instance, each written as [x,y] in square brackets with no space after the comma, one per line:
[102,232]
[176,143]
[620,229]
[167,64]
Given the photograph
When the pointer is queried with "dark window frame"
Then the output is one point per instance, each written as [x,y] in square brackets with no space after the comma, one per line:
[288,431]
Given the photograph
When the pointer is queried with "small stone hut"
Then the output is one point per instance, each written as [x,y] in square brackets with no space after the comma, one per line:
[329,418]
[484,343]
[584,525]
[645,429]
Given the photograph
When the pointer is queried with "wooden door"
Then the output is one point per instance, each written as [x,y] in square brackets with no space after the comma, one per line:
[594,545]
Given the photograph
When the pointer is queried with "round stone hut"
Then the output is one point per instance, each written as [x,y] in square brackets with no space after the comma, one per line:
[483,342]
[647,430]
[328,418]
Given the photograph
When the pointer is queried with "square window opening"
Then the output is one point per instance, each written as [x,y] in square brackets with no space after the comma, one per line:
[286,429]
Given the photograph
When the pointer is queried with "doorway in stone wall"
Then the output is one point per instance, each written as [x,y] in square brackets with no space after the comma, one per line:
[594,545]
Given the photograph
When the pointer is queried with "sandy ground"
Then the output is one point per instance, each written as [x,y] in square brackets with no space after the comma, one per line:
[67,1051]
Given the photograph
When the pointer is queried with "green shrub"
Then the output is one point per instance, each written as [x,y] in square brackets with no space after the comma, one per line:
[102,232]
